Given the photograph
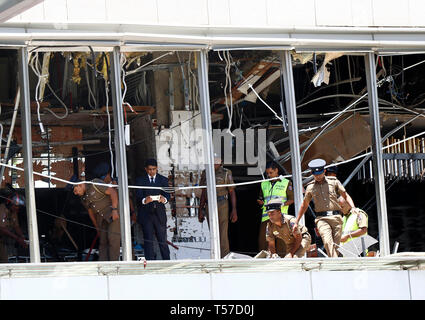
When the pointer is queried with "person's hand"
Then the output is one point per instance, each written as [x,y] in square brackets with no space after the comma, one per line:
[260,202]
[115,215]
[148,199]
[201,213]
[233,216]
[295,227]
[201,216]
[344,238]
[162,199]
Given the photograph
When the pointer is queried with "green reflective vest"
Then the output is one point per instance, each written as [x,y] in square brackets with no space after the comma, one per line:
[278,190]
[349,224]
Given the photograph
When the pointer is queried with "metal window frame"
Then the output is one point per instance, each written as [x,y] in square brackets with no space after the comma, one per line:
[291,109]
[27,155]
[121,156]
[377,159]
[202,55]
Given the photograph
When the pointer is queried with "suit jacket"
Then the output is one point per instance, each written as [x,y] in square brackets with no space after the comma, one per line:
[160,181]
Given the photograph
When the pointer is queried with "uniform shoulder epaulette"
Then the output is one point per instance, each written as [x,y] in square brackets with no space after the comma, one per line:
[309,183]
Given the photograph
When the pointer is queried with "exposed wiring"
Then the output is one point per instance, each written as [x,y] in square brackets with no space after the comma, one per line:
[123,61]
[270,108]
[35,66]
[228,84]
[90,96]
[37,100]
[349,74]
[148,63]
[194,82]
[109,128]
[61,102]
[186,92]
[1,138]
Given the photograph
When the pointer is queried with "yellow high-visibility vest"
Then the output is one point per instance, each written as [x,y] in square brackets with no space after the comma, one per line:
[278,190]
[349,224]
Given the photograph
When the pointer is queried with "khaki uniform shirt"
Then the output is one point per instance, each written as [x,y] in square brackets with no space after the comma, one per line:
[222,176]
[96,199]
[8,218]
[284,232]
[325,194]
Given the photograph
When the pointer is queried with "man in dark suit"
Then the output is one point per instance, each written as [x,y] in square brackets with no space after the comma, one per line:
[151,213]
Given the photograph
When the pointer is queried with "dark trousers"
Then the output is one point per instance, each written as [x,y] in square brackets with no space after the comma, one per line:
[154,223]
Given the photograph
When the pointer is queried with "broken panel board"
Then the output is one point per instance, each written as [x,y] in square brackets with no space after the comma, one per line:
[347,139]
[180,157]
[60,155]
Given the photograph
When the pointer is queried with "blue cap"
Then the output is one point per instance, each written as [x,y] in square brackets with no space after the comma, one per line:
[74,178]
[332,169]
[101,170]
[317,166]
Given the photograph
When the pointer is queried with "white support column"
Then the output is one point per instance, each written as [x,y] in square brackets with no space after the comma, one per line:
[27,155]
[202,57]
[381,203]
[121,159]
[291,110]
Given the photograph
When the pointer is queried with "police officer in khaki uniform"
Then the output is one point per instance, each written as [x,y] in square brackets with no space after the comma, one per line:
[101,203]
[280,226]
[10,231]
[324,191]
[222,176]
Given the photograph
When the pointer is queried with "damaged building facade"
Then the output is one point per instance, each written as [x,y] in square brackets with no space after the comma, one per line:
[114,85]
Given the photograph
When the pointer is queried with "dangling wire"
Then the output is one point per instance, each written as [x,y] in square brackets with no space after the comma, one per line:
[228,84]
[109,125]
[123,61]
[1,138]
[35,66]
[37,100]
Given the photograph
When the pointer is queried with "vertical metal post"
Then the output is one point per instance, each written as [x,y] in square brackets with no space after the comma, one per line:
[121,159]
[208,152]
[378,169]
[27,154]
[291,110]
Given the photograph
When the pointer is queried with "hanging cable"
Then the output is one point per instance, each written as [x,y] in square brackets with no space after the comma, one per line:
[35,66]
[109,125]
[1,138]
[270,108]
[90,96]
[123,61]
[148,63]
[228,86]
[37,100]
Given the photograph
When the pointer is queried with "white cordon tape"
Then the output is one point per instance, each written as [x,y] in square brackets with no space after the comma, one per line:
[174,189]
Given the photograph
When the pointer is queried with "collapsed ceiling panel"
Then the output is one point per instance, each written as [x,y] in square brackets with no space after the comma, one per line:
[345,140]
